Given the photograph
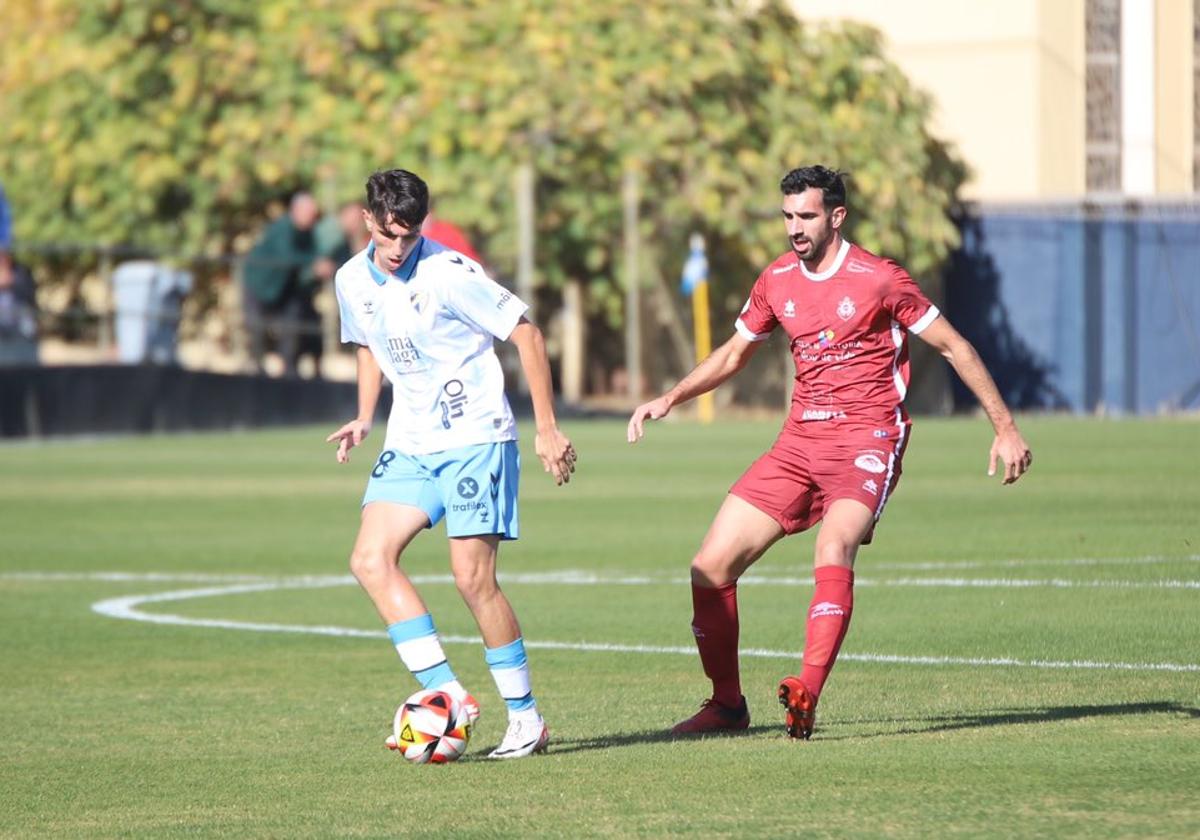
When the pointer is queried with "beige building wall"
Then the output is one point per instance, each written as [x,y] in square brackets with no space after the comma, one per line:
[1009,81]
[1059,125]
[1174,80]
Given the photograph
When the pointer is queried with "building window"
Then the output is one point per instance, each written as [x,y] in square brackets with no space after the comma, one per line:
[1103,46]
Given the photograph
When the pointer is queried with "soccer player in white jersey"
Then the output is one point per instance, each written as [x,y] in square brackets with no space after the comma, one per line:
[425,317]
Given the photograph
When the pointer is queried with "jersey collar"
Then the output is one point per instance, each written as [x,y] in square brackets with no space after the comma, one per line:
[829,272]
[404,273]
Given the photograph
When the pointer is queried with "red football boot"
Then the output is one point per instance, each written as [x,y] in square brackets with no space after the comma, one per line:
[713,717]
[800,705]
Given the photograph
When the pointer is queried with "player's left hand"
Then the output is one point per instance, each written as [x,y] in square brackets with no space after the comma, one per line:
[1010,449]
[556,453]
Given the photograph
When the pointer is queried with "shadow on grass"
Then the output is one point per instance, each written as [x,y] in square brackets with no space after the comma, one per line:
[905,726]
[648,736]
[1000,717]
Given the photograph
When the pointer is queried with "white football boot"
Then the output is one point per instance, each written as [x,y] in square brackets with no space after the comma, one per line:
[525,736]
[469,704]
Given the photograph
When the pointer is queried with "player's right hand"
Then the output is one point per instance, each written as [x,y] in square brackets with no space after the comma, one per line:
[653,410]
[348,437]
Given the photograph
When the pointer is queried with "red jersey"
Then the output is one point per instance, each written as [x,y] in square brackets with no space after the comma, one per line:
[450,235]
[847,331]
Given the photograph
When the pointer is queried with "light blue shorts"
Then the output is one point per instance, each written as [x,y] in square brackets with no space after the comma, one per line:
[474,487]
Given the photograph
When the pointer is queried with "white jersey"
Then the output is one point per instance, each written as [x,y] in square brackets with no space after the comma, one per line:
[431,325]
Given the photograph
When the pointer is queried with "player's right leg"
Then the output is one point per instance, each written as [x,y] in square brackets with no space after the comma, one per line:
[399,503]
[738,536]
[386,530]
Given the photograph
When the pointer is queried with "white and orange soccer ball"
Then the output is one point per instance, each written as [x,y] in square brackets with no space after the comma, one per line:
[431,727]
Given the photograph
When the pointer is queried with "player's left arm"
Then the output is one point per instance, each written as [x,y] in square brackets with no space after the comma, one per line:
[1008,446]
[556,452]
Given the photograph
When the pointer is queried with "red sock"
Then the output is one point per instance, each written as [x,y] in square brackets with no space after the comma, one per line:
[715,625]
[828,620]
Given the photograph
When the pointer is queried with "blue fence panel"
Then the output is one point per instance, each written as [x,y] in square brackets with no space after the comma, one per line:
[1084,308]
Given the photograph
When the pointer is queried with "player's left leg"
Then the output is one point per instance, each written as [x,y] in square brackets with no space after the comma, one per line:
[846,524]
[479,484]
[473,563]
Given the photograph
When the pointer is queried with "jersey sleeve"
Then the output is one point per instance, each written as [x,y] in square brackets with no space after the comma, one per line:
[351,331]
[481,300]
[907,303]
[757,318]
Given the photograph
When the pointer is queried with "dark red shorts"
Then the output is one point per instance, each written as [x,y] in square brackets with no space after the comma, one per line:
[798,478]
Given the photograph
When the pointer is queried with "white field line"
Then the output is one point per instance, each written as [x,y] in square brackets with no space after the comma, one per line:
[127,607]
[945,565]
[135,577]
[578,577]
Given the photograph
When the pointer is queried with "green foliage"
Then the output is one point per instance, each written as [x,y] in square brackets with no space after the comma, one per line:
[172,124]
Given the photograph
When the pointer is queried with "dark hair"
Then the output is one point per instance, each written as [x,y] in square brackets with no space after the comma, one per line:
[399,196]
[830,182]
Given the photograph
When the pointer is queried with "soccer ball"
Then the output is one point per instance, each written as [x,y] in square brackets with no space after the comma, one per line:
[431,727]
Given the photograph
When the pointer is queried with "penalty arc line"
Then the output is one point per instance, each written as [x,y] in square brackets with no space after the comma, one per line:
[127,607]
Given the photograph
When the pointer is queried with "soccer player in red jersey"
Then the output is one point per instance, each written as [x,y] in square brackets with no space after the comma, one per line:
[837,459]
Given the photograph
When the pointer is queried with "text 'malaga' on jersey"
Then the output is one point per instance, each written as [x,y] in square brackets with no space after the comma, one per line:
[847,327]
[431,325]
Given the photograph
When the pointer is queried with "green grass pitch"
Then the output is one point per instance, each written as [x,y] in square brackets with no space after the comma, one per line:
[1023,661]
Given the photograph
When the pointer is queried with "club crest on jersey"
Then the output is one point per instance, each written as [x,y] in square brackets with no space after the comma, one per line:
[845,309]
[418,301]
[789,309]
[368,307]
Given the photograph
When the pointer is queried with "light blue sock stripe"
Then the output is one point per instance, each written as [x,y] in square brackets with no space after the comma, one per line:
[413,628]
[435,676]
[511,655]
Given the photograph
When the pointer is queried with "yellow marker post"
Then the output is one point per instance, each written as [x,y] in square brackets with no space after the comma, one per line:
[704,403]
[695,283]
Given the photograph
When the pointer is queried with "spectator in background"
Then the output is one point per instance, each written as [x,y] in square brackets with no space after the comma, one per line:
[18,306]
[448,234]
[281,274]
[5,223]
[18,313]
[345,234]
[340,236]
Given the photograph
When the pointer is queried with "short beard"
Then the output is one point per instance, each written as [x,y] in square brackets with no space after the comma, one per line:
[818,252]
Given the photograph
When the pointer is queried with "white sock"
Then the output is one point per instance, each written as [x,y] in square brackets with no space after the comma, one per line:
[454,689]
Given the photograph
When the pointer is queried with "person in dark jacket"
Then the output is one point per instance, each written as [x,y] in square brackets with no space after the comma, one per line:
[279,278]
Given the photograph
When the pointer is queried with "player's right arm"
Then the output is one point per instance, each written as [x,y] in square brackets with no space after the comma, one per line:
[719,366]
[370,384]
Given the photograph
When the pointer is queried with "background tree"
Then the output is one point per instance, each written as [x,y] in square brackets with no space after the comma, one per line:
[172,124]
